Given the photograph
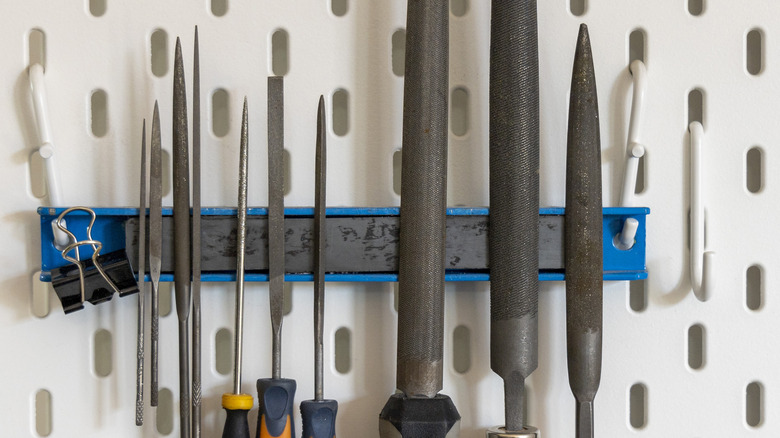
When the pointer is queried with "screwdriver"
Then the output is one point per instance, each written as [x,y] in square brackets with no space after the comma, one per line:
[318,416]
[155,243]
[514,205]
[237,404]
[419,410]
[139,354]
[583,238]
[276,395]
[181,235]
[196,250]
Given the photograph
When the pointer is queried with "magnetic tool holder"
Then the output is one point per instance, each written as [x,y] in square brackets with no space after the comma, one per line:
[362,247]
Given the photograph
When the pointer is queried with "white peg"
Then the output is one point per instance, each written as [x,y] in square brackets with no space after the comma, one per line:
[625,240]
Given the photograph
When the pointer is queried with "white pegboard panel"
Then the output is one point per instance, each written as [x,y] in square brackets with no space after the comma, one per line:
[353,53]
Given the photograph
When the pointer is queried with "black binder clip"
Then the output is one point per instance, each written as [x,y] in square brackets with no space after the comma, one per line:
[94,279]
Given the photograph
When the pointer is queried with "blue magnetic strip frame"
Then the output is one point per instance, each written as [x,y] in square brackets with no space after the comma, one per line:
[109,228]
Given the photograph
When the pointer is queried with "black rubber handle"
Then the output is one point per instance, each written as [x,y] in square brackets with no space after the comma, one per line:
[319,418]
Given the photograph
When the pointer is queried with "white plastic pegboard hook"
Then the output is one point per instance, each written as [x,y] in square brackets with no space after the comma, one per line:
[702,278]
[46,148]
[625,240]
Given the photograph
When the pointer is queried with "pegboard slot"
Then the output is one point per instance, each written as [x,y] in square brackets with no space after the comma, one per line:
[219,7]
[459,111]
[637,397]
[158,43]
[461,349]
[697,338]
[342,345]
[103,353]
[398,52]
[280,56]
[98,7]
[754,52]
[220,112]
[696,106]
[36,48]
[99,110]
[754,404]
[223,351]
[754,288]
[636,46]
[340,113]
[754,170]
[43,413]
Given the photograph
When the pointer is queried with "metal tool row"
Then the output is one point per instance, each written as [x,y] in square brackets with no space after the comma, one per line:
[420,253]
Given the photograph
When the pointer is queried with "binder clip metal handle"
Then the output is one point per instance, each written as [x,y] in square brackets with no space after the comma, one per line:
[94,279]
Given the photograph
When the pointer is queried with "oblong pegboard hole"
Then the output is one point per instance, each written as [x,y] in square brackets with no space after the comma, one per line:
[696,7]
[754,52]
[97,7]
[220,112]
[696,346]
[164,411]
[219,7]
[459,111]
[342,344]
[578,7]
[340,113]
[398,52]
[166,298]
[637,401]
[754,404]
[696,106]
[461,349]
[39,302]
[641,175]
[42,415]
[459,8]
[280,53]
[36,48]
[103,353]
[223,351]
[99,110]
[637,295]
[397,176]
[754,174]
[158,46]
[287,301]
[636,46]
[339,7]
[754,288]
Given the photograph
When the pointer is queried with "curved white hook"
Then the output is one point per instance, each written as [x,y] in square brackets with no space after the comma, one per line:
[635,150]
[702,278]
[46,149]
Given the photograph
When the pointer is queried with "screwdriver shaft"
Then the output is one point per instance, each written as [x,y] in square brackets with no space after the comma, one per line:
[181,236]
[514,200]
[196,239]
[243,166]
[583,237]
[320,191]
[139,353]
